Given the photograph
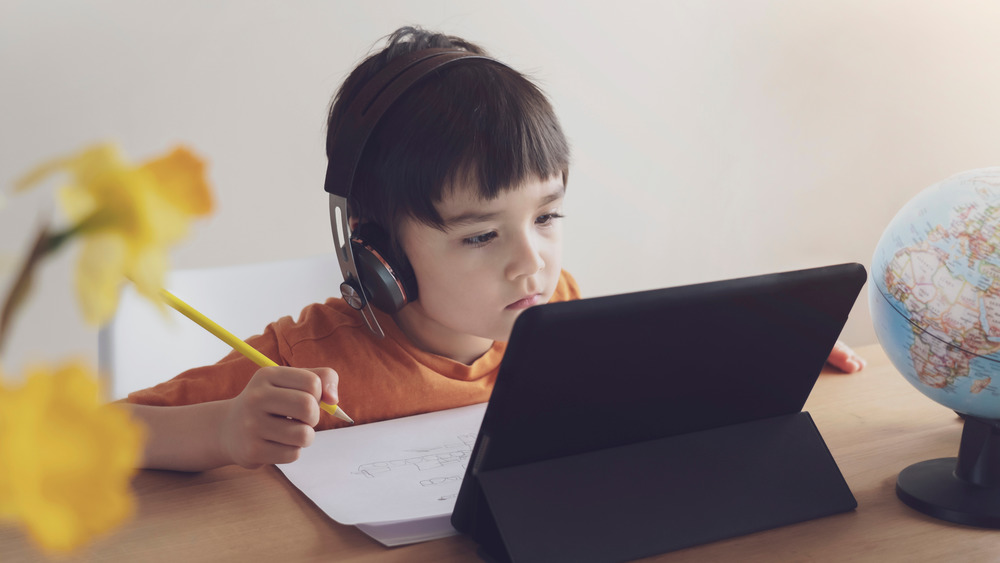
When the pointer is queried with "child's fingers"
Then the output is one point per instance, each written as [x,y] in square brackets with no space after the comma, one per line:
[283,431]
[292,378]
[321,383]
[844,359]
[264,452]
[329,380]
[290,403]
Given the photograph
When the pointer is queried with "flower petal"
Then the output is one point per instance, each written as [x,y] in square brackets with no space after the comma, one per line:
[180,178]
[147,270]
[39,173]
[94,162]
[76,203]
[129,217]
[100,274]
[71,457]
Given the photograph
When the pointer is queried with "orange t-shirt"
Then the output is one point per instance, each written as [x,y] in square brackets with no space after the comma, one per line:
[379,378]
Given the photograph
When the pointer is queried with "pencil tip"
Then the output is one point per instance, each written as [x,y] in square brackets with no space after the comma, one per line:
[336,411]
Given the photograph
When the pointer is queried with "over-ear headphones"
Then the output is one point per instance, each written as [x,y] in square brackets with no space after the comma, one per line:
[373,273]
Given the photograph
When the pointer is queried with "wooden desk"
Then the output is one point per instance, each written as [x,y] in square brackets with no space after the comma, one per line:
[874,423]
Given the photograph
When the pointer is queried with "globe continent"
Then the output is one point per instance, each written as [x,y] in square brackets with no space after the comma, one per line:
[935,292]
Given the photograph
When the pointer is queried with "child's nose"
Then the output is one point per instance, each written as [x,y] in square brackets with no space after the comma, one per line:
[526,258]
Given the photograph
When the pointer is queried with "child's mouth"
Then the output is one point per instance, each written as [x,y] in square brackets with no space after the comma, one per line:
[526,302]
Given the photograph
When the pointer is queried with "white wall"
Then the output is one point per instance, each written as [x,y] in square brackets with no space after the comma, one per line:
[711,138]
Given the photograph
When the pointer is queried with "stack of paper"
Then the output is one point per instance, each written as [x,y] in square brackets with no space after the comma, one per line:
[395,480]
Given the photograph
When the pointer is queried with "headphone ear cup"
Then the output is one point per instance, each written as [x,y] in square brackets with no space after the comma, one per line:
[387,279]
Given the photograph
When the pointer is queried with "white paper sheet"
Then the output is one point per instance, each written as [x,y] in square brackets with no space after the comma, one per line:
[393,470]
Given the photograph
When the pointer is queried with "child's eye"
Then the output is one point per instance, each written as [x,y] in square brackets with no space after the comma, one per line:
[547,218]
[480,240]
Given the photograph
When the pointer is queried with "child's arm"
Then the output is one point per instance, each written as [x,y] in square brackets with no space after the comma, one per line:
[269,422]
[844,359]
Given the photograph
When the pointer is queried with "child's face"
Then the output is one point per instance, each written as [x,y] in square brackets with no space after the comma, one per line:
[493,260]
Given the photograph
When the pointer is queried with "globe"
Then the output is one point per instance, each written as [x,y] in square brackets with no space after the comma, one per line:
[935,292]
[935,304]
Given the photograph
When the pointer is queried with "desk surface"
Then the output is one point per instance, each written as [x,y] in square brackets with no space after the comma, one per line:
[874,423]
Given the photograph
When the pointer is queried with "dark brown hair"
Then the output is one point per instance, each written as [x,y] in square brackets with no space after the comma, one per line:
[472,123]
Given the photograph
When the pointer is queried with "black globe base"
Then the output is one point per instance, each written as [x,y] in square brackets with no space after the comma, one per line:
[933,488]
[964,490]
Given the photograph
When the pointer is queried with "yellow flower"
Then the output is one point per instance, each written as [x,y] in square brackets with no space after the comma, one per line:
[66,460]
[129,216]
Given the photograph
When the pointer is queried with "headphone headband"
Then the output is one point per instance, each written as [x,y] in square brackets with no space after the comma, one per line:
[348,144]
[371,103]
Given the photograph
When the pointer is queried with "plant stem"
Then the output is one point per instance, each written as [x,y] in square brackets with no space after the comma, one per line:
[22,282]
[45,243]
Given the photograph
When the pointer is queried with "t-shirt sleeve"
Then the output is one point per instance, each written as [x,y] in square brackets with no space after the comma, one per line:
[223,380]
[566,289]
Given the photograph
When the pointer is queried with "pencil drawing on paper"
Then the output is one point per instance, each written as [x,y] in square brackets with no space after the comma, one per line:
[449,455]
[441,480]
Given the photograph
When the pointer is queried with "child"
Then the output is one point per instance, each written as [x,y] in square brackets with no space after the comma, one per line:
[465,174]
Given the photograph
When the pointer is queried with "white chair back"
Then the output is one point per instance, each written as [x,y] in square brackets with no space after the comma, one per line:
[143,346]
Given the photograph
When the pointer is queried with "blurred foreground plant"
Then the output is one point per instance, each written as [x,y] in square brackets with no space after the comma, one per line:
[66,459]
[128,216]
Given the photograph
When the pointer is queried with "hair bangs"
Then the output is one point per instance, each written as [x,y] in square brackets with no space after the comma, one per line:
[510,136]
[476,124]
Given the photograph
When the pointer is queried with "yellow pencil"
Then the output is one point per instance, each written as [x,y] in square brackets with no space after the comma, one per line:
[237,344]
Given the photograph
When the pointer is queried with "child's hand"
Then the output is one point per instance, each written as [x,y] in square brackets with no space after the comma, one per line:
[844,359]
[273,418]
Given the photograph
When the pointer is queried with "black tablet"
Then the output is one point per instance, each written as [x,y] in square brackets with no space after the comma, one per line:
[593,374]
